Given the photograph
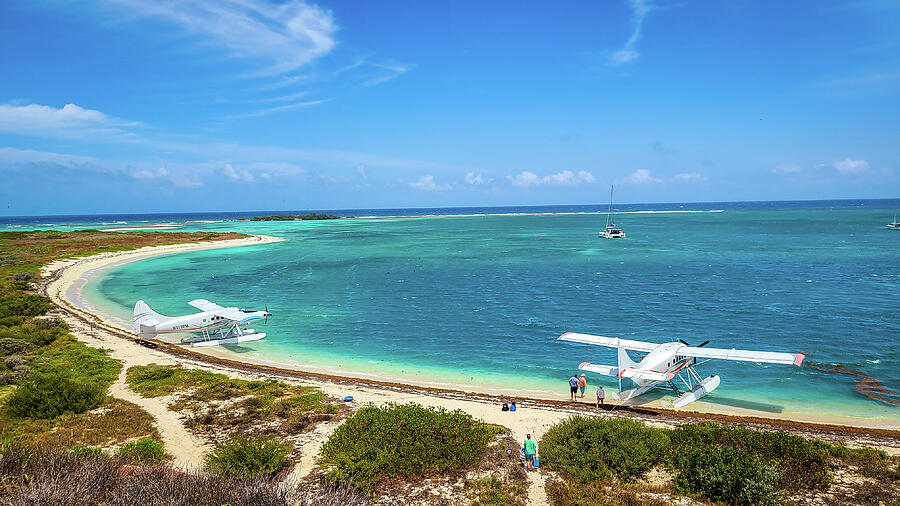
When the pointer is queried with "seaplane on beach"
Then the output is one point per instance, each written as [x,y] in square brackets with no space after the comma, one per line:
[665,363]
[215,324]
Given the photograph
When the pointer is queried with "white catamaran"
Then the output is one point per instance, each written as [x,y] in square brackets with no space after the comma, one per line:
[611,231]
[894,225]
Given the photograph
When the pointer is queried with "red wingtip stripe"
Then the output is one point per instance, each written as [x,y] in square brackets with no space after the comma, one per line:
[798,358]
[583,364]
[564,335]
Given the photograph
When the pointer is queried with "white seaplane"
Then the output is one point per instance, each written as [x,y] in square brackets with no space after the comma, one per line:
[216,324]
[665,362]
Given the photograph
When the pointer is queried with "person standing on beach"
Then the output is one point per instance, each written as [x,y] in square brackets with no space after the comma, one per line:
[582,384]
[600,396]
[573,386]
[530,451]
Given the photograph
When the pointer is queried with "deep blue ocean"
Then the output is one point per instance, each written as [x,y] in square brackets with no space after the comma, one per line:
[477,302]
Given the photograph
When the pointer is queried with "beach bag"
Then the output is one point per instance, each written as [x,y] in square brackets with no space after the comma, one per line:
[505,407]
[522,453]
[512,407]
[536,462]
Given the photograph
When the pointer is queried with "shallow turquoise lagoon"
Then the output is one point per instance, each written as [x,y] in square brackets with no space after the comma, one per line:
[470,301]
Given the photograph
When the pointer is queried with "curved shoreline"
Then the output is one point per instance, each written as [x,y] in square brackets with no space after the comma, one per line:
[63,277]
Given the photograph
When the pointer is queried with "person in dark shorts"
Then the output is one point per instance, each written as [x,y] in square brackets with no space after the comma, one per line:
[530,451]
[573,386]
[600,396]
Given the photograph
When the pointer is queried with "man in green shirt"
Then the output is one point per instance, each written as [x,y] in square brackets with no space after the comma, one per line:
[530,451]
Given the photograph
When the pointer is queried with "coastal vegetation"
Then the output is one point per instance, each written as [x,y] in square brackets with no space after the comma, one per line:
[248,456]
[215,402]
[144,451]
[53,475]
[402,442]
[293,217]
[53,387]
[732,464]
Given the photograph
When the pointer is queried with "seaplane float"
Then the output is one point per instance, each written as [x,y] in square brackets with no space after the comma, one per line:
[665,363]
[215,324]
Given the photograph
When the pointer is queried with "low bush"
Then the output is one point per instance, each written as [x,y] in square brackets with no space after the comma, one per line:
[49,395]
[595,448]
[23,304]
[248,456]
[804,464]
[404,441]
[34,333]
[143,451]
[726,474]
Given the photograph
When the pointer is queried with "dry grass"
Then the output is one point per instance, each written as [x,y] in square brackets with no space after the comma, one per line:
[55,476]
[115,421]
[605,493]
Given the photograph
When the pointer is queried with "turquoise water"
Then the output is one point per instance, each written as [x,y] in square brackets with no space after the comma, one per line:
[480,300]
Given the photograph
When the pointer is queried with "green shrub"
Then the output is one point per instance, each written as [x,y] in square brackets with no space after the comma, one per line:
[402,441]
[24,304]
[804,463]
[47,395]
[248,456]
[589,449]
[143,451]
[727,474]
[39,335]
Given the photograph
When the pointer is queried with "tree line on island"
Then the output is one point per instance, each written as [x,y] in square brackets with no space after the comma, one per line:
[293,217]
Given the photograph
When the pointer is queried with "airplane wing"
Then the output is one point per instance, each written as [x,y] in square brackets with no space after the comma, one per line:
[611,342]
[606,370]
[743,355]
[205,305]
[647,375]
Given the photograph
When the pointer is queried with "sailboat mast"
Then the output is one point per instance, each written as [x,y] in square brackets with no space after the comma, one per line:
[608,212]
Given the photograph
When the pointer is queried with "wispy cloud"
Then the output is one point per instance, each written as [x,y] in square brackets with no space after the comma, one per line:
[565,178]
[629,51]
[850,166]
[237,175]
[280,108]
[787,168]
[640,176]
[427,183]
[873,78]
[392,71]
[689,177]
[284,36]
[68,121]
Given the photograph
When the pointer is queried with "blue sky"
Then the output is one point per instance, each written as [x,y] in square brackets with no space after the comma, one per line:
[111,106]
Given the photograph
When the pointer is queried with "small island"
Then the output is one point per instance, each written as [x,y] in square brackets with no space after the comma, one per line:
[292,217]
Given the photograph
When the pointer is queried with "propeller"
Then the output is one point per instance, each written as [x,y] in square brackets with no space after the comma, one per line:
[704,343]
[266,320]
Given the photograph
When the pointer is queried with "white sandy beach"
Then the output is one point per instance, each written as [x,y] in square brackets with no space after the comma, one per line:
[68,276]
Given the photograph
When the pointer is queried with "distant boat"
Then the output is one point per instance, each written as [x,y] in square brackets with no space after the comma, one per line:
[894,225]
[611,231]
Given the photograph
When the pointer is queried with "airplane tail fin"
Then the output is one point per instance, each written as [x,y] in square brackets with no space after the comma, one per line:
[624,360]
[145,319]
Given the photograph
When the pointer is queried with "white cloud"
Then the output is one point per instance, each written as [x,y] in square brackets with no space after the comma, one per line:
[284,36]
[787,168]
[237,175]
[628,52]
[162,175]
[13,155]
[281,108]
[850,166]
[476,179]
[688,177]
[427,183]
[566,177]
[640,176]
[69,121]
[361,170]
[393,71]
